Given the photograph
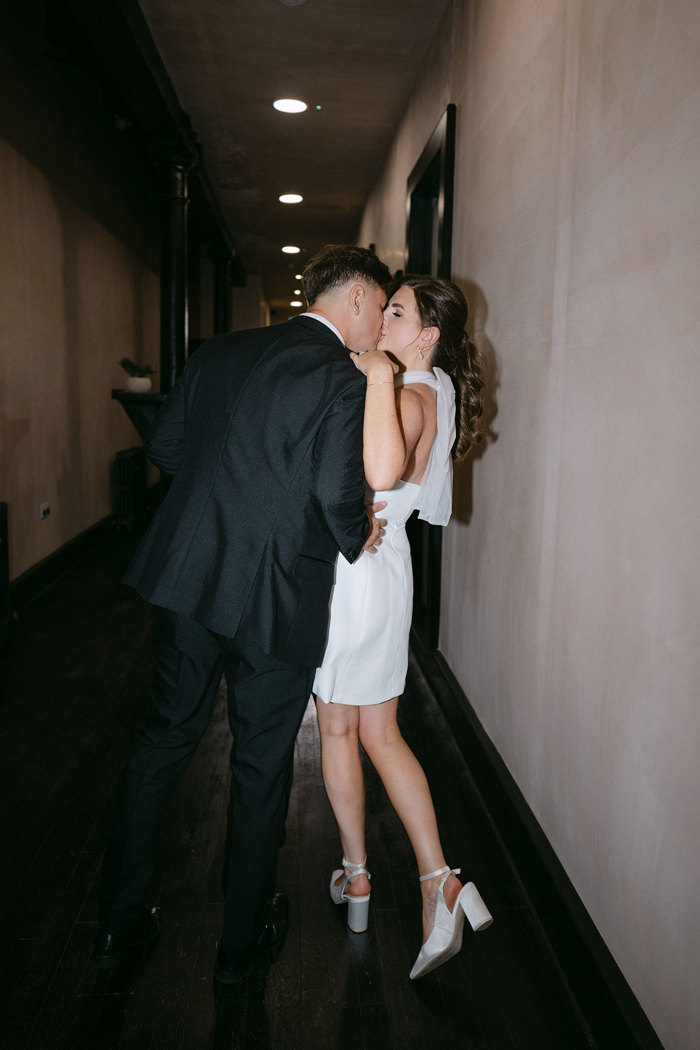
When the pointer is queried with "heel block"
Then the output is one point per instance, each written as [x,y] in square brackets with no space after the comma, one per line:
[358,914]
[478,915]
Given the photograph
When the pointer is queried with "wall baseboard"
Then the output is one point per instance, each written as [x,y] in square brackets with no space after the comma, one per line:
[596,987]
[5,608]
[25,589]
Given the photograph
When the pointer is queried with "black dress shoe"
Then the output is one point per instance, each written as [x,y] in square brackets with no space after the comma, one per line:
[233,966]
[112,949]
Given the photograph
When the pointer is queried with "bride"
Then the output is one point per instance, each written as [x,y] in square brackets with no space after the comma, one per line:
[422,407]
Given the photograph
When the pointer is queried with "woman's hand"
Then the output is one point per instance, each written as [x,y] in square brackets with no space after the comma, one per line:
[374,364]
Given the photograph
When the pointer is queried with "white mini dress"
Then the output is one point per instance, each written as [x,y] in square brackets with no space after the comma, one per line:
[366,656]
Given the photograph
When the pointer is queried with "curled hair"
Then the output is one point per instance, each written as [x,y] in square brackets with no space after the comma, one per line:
[441,304]
[336,264]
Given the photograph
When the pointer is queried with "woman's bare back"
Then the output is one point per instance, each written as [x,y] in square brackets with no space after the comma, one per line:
[418,459]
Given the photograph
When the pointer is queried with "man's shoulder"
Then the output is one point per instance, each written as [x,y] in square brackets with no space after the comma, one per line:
[308,331]
[297,348]
[299,329]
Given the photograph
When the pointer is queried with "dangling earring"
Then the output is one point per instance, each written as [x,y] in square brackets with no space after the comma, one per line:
[420,352]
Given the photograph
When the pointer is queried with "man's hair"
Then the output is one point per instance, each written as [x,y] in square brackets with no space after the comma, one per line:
[336,264]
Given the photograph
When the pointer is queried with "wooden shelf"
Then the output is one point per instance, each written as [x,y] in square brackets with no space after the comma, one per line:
[140,408]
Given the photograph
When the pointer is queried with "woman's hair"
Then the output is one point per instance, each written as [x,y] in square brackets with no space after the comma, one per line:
[440,303]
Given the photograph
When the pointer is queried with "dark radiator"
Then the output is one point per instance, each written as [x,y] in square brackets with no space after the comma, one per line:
[130,487]
[4,575]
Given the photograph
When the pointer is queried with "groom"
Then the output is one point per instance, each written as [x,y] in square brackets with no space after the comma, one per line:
[263,436]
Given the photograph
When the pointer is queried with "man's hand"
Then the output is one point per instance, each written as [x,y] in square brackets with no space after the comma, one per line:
[376,527]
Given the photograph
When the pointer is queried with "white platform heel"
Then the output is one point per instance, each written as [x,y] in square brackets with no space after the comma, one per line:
[358,907]
[445,938]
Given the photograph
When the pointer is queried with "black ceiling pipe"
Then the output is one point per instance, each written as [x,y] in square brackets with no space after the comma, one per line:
[174,165]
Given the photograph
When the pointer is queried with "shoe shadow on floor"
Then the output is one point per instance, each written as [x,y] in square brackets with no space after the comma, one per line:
[241,1019]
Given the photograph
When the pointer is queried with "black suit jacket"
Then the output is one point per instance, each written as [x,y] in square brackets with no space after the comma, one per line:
[263,434]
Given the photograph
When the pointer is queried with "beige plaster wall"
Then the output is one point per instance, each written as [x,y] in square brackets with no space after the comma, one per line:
[79,287]
[73,301]
[248,308]
[571,569]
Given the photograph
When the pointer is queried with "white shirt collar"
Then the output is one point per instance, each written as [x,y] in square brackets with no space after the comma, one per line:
[323,320]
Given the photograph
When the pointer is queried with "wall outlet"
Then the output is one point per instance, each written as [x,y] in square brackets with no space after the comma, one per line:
[44,510]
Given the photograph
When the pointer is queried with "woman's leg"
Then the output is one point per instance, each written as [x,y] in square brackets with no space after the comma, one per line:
[345,785]
[409,794]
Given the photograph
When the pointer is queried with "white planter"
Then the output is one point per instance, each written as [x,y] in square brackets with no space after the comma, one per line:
[138,384]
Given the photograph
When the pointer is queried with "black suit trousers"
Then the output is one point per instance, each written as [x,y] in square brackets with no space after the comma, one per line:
[266,703]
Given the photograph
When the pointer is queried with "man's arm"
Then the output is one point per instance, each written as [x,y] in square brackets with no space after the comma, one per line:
[339,473]
[163,443]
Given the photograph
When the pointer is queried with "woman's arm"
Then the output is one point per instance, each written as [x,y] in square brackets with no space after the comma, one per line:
[393,424]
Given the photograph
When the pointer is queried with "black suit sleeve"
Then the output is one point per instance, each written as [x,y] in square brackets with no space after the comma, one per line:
[339,472]
[163,442]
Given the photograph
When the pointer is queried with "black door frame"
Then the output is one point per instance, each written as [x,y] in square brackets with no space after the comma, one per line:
[429,212]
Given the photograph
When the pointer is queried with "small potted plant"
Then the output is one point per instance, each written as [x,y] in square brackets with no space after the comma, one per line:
[139,376]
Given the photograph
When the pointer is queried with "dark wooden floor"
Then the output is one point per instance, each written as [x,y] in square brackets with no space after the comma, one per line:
[73,684]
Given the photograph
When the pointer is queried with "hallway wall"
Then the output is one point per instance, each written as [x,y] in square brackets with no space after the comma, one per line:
[249,308]
[571,572]
[73,301]
[79,286]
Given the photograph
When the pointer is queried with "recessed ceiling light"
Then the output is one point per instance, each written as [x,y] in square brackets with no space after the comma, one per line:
[297,277]
[297,291]
[291,198]
[296,302]
[289,105]
[291,249]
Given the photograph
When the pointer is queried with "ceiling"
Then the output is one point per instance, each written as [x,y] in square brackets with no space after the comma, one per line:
[229,60]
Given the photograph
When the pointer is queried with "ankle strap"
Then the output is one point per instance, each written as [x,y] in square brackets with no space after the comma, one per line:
[356,869]
[440,871]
